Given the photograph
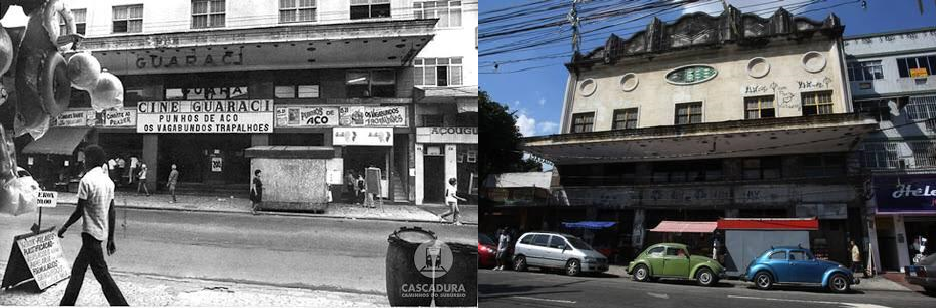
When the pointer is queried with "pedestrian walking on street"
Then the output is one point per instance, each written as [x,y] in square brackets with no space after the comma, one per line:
[96,208]
[134,166]
[855,257]
[256,190]
[121,167]
[361,189]
[173,179]
[503,242]
[112,168]
[452,201]
[142,180]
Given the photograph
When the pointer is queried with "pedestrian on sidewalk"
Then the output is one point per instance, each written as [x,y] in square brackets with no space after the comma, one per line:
[502,243]
[142,180]
[173,179]
[349,185]
[96,208]
[256,191]
[452,201]
[134,165]
[855,257]
[112,168]
[121,167]
[361,189]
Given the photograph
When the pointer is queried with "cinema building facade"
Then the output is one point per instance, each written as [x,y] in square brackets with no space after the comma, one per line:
[322,95]
[709,116]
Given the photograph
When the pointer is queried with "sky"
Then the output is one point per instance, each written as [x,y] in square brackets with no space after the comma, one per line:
[534,89]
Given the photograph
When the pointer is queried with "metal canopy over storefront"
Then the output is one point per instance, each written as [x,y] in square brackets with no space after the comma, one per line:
[58,141]
[686,226]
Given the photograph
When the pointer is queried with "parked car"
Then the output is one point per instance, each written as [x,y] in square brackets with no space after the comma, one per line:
[923,273]
[557,250]
[487,250]
[797,265]
[672,260]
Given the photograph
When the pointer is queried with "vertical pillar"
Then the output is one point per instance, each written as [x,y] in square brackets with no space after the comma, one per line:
[419,178]
[451,162]
[903,253]
[637,238]
[874,253]
[151,159]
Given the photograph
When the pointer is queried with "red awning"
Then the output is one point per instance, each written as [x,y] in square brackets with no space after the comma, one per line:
[768,224]
[686,226]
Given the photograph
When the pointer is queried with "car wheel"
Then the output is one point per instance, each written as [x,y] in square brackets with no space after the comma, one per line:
[839,283]
[763,281]
[705,277]
[573,268]
[520,264]
[641,273]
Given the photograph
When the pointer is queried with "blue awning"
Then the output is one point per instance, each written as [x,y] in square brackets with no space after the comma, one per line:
[593,225]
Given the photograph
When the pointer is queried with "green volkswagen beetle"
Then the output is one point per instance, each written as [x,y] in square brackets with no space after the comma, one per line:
[671,260]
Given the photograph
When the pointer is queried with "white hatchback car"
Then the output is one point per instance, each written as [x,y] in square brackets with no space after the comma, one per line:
[557,250]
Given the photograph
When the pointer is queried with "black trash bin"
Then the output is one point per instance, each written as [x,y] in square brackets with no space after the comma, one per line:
[463,273]
[401,268]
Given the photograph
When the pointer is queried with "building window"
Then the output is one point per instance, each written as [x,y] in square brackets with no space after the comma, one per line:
[432,120]
[761,168]
[438,71]
[757,107]
[375,83]
[297,11]
[817,102]
[824,165]
[921,66]
[880,155]
[448,12]
[625,119]
[80,18]
[923,108]
[128,19]
[296,91]
[865,70]
[583,122]
[364,9]
[467,119]
[687,171]
[689,113]
[924,153]
[207,14]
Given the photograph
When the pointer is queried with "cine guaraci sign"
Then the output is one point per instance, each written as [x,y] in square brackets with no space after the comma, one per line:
[38,256]
[206,117]
[905,194]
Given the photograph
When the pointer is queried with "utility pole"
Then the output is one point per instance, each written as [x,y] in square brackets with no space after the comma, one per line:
[574,20]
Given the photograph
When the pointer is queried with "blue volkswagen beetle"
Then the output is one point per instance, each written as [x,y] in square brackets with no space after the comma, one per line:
[797,265]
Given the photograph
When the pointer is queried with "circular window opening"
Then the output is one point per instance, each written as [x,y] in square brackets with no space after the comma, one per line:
[629,82]
[588,87]
[758,67]
[813,62]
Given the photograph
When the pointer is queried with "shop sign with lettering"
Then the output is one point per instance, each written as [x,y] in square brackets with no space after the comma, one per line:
[37,256]
[191,60]
[87,117]
[905,194]
[467,135]
[383,116]
[71,118]
[310,116]
[205,117]
[368,136]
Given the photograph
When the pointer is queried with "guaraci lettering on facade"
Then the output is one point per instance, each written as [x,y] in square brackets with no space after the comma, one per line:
[158,61]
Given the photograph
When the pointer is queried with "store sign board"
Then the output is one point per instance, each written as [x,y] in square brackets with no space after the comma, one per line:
[307,116]
[120,118]
[467,135]
[87,117]
[365,136]
[919,72]
[206,117]
[384,116]
[71,118]
[903,194]
[47,198]
[36,256]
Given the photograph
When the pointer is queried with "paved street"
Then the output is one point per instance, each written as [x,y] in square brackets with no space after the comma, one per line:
[304,252]
[535,289]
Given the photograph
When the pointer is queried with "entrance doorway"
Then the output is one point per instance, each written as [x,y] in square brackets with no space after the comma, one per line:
[358,158]
[213,159]
[434,179]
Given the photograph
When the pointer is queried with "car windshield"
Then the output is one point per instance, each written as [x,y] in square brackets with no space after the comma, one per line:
[484,239]
[578,243]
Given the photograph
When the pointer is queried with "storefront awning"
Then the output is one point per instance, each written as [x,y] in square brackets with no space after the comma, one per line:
[591,225]
[768,224]
[58,141]
[686,226]
[275,151]
[465,98]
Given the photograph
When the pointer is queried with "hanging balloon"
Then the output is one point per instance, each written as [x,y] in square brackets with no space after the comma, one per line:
[107,93]
[83,71]
[54,87]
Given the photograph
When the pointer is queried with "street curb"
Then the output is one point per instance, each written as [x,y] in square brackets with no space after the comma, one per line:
[273,213]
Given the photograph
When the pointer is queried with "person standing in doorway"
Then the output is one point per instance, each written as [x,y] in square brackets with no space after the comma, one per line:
[173,179]
[361,188]
[96,208]
[134,166]
[256,191]
[142,180]
[121,167]
[452,201]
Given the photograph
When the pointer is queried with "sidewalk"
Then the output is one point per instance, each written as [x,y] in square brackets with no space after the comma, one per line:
[468,213]
[229,204]
[146,290]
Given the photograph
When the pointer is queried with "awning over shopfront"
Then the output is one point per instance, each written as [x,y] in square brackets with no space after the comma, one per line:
[58,141]
[591,225]
[307,152]
[768,224]
[465,97]
[685,226]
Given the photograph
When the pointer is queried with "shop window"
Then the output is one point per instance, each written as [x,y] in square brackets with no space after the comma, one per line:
[374,83]
[80,18]
[366,9]
[761,168]
[924,153]
[128,19]
[689,113]
[817,102]
[297,11]
[756,107]
[882,155]
[432,120]
[624,119]
[208,14]
[448,12]
[865,70]
[824,165]
[467,119]
[296,91]
[583,122]
[921,66]
[438,71]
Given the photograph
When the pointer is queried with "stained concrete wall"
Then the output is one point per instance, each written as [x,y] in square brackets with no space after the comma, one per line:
[292,180]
